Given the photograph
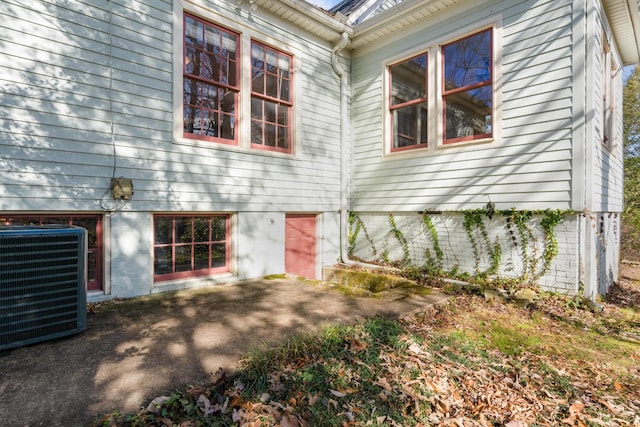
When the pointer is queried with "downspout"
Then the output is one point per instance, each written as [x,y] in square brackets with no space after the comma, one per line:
[345,150]
[345,146]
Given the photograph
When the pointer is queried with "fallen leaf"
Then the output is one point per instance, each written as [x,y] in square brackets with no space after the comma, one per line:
[288,420]
[337,393]
[155,404]
[313,398]
[356,345]
[576,408]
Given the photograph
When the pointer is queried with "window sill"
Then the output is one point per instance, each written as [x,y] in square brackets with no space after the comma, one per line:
[192,282]
[231,148]
[441,149]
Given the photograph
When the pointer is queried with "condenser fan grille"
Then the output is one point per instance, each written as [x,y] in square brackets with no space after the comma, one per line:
[42,283]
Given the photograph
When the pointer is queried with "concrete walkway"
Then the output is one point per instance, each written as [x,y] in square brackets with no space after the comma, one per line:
[138,349]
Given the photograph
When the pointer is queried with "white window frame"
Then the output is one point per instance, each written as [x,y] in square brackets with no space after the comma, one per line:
[435,105]
[246,35]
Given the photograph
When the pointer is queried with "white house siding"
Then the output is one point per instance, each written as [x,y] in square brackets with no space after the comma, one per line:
[530,168]
[608,162]
[73,105]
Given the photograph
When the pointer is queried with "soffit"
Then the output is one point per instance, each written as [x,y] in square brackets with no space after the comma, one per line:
[304,15]
[397,18]
[624,18]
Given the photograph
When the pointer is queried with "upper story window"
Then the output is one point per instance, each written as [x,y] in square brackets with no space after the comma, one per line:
[408,103]
[444,95]
[210,81]
[271,98]
[467,92]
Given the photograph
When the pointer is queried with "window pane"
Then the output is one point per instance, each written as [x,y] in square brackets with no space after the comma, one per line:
[192,32]
[208,96]
[269,112]
[218,255]
[201,257]
[256,108]
[256,132]
[231,72]
[190,56]
[409,80]
[201,230]
[183,258]
[183,230]
[468,113]
[227,126]
[270,135]
[257,56]
[162,263]
[219,228]
[284,90]
[283,115]
[272,85]
[162,230]
[91,225]
[230,45]
[467,61]
[212,39]
[410,125]
[283,137]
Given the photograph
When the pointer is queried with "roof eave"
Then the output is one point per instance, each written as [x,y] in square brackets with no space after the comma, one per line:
[311,18]
[624,19]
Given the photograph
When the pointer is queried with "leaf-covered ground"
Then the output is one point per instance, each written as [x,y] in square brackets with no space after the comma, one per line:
[471,362]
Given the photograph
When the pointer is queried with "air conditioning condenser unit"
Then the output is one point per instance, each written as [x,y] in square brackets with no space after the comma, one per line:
[42,283]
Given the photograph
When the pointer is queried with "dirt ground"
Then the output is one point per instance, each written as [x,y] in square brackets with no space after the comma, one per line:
[139,349]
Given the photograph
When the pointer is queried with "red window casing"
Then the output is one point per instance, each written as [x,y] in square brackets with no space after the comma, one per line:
[93,225]
[271,98]
[190,246]
[211,81]
[467,94]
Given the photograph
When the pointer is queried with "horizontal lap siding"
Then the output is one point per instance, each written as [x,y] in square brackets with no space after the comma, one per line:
[531,169]
[608,164]
[56,147]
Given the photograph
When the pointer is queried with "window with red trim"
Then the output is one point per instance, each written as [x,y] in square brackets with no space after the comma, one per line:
[210,81]
[467,93]
[93,225]
[408,103]
[190,245]
[271,98]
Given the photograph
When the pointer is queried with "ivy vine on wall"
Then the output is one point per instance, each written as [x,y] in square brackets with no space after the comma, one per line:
[517,224]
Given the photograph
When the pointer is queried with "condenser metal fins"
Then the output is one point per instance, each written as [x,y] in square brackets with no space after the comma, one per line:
[42,283]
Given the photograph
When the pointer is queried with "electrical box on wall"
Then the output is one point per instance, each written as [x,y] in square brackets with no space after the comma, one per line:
[121,188]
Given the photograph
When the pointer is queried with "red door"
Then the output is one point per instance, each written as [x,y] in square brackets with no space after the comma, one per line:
[300,245]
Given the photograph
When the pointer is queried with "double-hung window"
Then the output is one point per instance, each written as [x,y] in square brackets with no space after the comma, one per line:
[271,101]
[444,95]
[213,72]
[210,81]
